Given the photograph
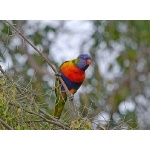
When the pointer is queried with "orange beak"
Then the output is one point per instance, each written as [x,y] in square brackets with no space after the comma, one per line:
[88,62]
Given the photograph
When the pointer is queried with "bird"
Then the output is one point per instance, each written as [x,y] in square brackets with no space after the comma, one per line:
[73,74]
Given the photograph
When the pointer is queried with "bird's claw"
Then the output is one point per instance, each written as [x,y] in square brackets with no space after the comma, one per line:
[71,97]
[57,74]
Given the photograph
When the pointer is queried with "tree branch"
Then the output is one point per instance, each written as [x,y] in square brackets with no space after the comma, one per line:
[55,121]
[5,125]
[42,55]
[47,120]
[48,62]
[3,72]
[31,60]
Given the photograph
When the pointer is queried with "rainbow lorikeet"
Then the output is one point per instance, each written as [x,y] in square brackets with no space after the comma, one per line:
[73,74]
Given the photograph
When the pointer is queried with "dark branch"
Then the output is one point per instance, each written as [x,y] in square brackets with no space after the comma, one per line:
[5,125]
[41,54]
[55,121]
[47,120]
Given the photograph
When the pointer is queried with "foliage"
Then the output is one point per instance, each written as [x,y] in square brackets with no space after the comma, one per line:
[16,109]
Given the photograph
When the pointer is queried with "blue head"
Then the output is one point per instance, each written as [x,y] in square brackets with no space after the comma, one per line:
[83,61]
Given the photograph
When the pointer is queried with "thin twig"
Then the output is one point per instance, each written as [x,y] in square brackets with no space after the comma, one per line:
[51,117]
[9,79]
[5,125]
[48,62]
[47,120]
[35,121]
[55,121]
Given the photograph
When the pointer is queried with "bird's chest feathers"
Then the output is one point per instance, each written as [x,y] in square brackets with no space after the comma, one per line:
[73,73]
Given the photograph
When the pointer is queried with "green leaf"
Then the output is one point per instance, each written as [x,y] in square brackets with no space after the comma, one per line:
[120,60]
[132,54]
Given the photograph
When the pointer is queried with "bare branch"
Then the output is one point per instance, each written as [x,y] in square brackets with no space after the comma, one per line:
[42,55]
[47,61]
[5,125]
[55,121]
[31,60]
[3,72]
[47,120]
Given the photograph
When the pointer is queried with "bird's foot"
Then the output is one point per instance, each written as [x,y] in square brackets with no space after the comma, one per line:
[57,74]
[71,97]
